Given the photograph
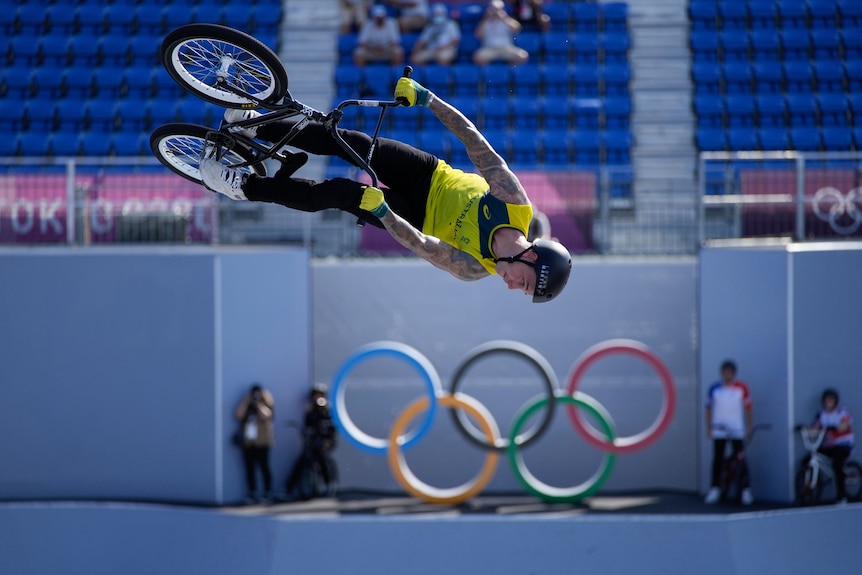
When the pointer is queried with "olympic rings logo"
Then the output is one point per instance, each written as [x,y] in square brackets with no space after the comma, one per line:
[830,205]
[486,434]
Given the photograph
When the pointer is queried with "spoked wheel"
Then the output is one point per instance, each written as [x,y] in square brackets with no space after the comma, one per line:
[853,481]
[180,147]
[208,60]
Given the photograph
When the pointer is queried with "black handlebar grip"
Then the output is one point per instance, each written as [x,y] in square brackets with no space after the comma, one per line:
[408,71]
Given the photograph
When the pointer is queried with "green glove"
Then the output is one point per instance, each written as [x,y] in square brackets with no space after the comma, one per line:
[414,93]
[373,201]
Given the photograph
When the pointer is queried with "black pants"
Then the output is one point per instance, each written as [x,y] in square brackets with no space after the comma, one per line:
[405,170]
[838,454]
[718,449]
[257,457]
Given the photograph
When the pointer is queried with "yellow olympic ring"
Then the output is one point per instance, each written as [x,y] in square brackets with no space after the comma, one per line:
[416,487]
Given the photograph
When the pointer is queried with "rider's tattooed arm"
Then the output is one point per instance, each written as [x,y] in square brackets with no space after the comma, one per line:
[459,264]
[503,183]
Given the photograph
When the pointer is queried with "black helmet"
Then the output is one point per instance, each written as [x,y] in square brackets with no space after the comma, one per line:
[552,269]
[829,392]
[728,364]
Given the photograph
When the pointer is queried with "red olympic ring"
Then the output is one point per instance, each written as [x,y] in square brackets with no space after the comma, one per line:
[641,440]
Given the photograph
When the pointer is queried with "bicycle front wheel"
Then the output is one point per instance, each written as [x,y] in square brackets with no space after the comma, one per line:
[218,64]
[808,491]
[853,481]
[180,148]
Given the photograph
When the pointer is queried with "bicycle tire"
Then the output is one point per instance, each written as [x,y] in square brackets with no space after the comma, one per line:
[853,480]
[731,482]
[807,494]
[194,54]
[179,147]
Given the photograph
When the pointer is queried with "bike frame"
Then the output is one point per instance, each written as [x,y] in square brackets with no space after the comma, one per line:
[817,462]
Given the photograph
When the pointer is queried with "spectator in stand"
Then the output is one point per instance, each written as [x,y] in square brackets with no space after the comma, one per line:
[354,13]
[531,16]
[439,39]
[496,30]
[379,40]
[412,14]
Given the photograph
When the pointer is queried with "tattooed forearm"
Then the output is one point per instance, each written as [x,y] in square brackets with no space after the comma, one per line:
[442,255]
[501,180]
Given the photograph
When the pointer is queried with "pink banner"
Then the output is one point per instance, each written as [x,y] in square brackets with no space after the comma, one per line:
[111,208]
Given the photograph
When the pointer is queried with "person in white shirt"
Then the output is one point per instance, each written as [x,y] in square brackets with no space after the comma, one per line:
[439,39]
[839,441]
[379,40]
[496,30]
[412,14]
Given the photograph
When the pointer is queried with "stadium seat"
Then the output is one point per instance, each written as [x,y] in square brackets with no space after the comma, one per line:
[95,143]
[495,114]
[586,48]
[834,109]
[83,50]
[9,143]
[802,109]
[737,77]
[765,45]
[805,138]
[798,76]
[34,143]
[740,110]
[586,114]
[53,50]
[710,139]
[526,78]
[796,44]
[855,101]
[494,79]
[773,139]
[822,14]
[852,41]
[190,110]
[524,112]
[703,15]
[90,19]
[379,81]
[829,75]
[733,15]
[706,77]
[524,146]
[614,47]
[709,110]
[130,114]
[555,78]
[734,43]
[144,50]
[69,114]
[30,19]
[614,16]
[586,147]
[837,138]
[616,78]
[555,147]
[346,45]
[762,14]
[437,143]
[742,139]
[99,114]
[617,146]
[530,41]
[555,112]
[850,12]
[556,46]
[127,144]
[558,12]
[60,18]
[467,80]
[768,77]
[39,112]
[348,81]
[771,110]
[586,80]
[584,17]
[617,112]
[65,143]
[468,105]
[705,45]
[825,44]
[793,14]
[437,79]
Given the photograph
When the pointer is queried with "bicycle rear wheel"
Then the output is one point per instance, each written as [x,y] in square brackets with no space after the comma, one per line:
[853,481]
[208,60]
[180,148]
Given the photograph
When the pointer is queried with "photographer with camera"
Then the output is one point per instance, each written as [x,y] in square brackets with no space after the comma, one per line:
[255,413]
[319,438]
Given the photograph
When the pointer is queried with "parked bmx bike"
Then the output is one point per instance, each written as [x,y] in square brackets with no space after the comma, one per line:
[734,474]
[816,473]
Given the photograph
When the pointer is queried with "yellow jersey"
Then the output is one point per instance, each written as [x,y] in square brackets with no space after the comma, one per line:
[462,212]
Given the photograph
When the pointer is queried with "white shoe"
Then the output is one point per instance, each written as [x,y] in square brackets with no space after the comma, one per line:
[712,496]
[234,115]
[747,497]
[221,179]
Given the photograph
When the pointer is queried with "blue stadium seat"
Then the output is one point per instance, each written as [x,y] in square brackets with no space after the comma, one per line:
[90,18]
[586,114]
[586,80]
[467,83]
[409,137]
[499,140]
[558,12]
[709,110]
[829,75]
[40,113]
[586,147]
[380,80]
[768,77]
[763,14]
[798,76]
[555,147]
[705,45]
[802,109]
[83,50]
[834,109]
[616,79]
[706,77]
[119,17]
[703,15]
[524,147]
[773,139]
[617,145]
[733,15]
[852,41]
[348,81]
[771,109]
[143,49]
[618,111]
[60,18]
[530,41]
[615,47]
[346,45]
[765,45]
[554,112]
[495,114]
[851,13]
[710,139]
[556,46]
[584,16]
[190,110]
[405,120]
[468,105]
[95,143]
[737,77]
[614,16]
[822,14]
[130,114]
[140,80]
[469,44]
[524,112]
[106,81]
[8,143]
[69,114]
[555,79]
[793,14]
[127,144]
[837,138]
[237,15]
[437,143]
[796,44]
[740,110]
[179,13]
[22,50]
[30,19]
[437,79]
[742,139]
[47,81]
[825,44]
[494,79]
[526,78]
[65,143]
[99,114]
[54,50]
[805,138]
[855,101]
[32,143]
[15,82]
[149,20]
[734,44]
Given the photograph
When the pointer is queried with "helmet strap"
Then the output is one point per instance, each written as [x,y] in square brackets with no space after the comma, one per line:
[517,258]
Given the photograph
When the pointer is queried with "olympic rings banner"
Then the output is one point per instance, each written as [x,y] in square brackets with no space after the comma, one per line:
[486,433]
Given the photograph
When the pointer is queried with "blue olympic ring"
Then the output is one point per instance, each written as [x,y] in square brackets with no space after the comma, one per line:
[349,429]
